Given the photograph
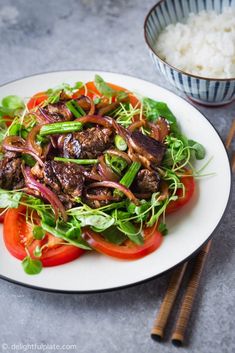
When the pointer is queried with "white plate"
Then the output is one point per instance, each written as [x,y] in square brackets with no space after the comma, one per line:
[188,229]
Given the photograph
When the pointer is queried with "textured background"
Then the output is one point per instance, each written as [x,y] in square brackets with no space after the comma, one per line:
[37,36]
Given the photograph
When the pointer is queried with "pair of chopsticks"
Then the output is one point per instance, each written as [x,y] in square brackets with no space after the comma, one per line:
[178,335]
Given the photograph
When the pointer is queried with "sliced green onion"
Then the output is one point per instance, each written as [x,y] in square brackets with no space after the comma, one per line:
[77,161]
[128,177]
[75,109]
[60,128]
[118,164]
[120,143]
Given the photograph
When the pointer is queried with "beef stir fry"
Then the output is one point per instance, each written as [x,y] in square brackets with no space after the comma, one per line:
[94,165]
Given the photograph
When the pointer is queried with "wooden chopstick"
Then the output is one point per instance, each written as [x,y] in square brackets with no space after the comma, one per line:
[233,162]
[160,322]
[161,319]
[177,337]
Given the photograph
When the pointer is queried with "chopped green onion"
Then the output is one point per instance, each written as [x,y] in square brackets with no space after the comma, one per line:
[120,143]
[128,177]
[118,164]
[77,161]
[60,128]
[75,109]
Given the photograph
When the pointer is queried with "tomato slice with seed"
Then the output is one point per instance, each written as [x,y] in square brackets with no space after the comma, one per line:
[37,99]
[183,199]
[17,234]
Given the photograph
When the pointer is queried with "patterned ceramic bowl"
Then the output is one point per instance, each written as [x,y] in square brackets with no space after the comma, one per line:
[206,91]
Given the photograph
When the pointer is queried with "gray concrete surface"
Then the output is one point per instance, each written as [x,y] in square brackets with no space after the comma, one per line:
[37,36]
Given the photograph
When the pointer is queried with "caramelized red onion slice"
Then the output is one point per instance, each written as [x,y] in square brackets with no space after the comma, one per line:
[17,144]
[81,99]
[115,185]
[13,143]
[96,119]
[92,108]
[45,192]
[155,132]
[160,129]
[136,125]
[31,140]
[107,108]
[105,171]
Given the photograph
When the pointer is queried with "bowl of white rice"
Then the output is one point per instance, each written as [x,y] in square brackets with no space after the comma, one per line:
[192,43]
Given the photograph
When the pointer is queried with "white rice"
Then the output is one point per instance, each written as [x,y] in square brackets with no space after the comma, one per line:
[204,45]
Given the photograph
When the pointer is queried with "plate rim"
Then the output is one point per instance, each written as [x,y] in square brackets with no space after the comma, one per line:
[188,258]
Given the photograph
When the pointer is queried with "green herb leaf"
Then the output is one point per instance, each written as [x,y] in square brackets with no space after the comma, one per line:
[11,105]
[162,228]
[31,266]
[121,95]
[9,199]
[199,150]
[38,232]
[63,231]
[131,232]
[99,222]
[103,87]
[114,235]
[108,91]
[78,85]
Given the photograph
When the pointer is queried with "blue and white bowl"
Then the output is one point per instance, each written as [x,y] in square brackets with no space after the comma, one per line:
[206,91]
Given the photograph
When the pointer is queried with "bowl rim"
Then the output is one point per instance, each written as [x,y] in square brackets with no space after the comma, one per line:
[166,63]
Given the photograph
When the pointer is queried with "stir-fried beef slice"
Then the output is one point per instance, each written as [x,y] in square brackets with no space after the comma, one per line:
[106,192]
[147,181]
[50,177]
[149,151]
[64,177]
[10,172]
[58,111]
[89,143]
[70,177]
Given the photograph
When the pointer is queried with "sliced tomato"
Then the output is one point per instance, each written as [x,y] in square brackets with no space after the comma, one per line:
[92,92]
[183,199]
[37,99]
[128,251]
[17,234]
